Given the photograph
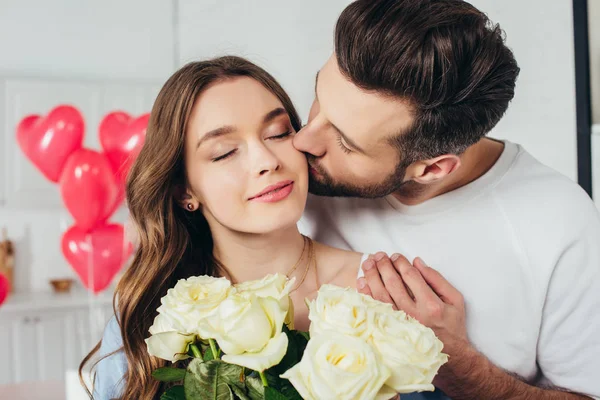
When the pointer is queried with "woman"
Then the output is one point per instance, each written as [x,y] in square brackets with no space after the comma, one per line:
[217,189]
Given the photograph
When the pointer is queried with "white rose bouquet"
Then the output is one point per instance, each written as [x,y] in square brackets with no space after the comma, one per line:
[241,344]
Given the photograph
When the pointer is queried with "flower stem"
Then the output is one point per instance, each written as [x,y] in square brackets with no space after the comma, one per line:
[213,348]
[263,378]
[196,351]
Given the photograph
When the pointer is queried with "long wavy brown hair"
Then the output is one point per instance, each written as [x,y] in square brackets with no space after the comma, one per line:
[173,243]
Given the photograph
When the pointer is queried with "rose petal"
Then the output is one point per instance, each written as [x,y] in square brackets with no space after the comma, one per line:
[271,355]
[170,346]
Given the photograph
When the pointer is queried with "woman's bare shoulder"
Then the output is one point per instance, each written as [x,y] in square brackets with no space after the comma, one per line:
[337,266]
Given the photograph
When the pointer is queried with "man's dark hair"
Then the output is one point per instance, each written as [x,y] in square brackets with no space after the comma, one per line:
[444,57]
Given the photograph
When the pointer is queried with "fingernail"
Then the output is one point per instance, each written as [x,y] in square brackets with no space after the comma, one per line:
[379,256]
[367,265]
[420,260]
[361,283]
[394,256]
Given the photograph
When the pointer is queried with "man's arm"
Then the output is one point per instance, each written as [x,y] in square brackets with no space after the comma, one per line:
[423,293]
[472,376]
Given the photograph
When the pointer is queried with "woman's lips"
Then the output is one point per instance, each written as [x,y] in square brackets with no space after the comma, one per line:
[275,192]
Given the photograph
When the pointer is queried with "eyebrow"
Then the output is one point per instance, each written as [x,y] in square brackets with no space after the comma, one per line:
[227,129]
[350,142]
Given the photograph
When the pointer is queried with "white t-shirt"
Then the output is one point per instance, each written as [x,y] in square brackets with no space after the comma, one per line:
[522,244]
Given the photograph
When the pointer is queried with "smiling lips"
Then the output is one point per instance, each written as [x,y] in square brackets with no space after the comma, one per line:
[274,193]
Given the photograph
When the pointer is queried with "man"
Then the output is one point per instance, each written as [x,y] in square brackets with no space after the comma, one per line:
[398,123]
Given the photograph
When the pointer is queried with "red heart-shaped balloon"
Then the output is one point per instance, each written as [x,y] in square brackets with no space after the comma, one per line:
[122,138]
[88,188]
[4,288]
[96,256]
[49,141]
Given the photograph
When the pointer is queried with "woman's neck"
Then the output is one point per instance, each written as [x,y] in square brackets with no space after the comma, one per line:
[253,256]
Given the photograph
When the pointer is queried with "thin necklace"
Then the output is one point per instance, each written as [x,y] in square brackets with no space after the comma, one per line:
[308,241]
[305,239]
[311,261]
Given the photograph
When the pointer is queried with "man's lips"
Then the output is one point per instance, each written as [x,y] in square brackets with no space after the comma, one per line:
[313,171]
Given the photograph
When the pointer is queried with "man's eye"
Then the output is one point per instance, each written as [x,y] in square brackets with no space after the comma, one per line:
[342,145]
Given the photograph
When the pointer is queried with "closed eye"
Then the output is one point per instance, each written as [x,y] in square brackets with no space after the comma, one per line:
[224,156]
[342,145]
[282,136]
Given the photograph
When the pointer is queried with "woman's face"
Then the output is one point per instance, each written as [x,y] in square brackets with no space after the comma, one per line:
[241,166]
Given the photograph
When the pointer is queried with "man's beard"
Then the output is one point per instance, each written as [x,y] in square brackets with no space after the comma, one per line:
[326,186]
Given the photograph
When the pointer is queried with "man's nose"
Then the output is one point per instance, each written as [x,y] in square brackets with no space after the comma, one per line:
[310,140]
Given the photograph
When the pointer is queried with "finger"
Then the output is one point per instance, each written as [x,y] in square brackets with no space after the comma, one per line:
[378,290]
[413,279]
[363,287]
[448,293]
[395,285]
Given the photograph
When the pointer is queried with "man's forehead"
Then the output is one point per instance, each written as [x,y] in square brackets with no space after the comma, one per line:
[358,112]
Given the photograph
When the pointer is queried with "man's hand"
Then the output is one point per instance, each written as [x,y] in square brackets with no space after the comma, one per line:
[426,295]
[421,292]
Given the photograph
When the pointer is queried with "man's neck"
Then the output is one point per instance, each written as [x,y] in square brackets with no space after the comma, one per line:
[253,256]
[475,161]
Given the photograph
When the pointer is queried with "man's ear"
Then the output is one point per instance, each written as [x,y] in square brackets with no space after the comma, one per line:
[429,171]
[185,198]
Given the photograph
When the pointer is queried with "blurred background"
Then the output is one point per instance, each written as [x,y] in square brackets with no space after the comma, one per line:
[106,56]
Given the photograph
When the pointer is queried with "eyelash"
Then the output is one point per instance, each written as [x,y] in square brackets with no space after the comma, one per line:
[342,146]
[232,152]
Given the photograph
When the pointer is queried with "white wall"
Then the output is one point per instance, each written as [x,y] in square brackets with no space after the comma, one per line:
[145,40]
[141,41]
[102,39]
[542,114]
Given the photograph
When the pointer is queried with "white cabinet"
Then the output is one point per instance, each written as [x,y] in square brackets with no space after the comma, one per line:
[40,339]
[23,186]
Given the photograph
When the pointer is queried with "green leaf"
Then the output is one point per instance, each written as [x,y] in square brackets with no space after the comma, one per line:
[273,394]
[297,342]
[208,354]
[209,380]
[174,393]
[240,393]
[168,374]
[289,391]
[256,390]
[305,335]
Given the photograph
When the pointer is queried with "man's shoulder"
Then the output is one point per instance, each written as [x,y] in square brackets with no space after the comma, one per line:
[535,192]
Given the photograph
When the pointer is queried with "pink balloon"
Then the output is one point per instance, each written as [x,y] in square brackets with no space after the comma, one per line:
[4,288]
[122,138]
[96,256]
[88,188]
[49,141]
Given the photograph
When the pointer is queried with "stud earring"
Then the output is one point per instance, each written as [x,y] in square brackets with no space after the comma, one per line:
[190,206]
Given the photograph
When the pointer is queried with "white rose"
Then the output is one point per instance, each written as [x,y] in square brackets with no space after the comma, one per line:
[340,310]
[376,305]
[411,351]
[166,342]
[336,366]
[249,330]
[193,300]
[277,286]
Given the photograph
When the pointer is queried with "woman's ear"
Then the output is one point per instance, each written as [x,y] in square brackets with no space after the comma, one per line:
[185,198]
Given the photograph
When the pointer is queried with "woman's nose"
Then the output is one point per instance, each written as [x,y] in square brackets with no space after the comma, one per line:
[265,160]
